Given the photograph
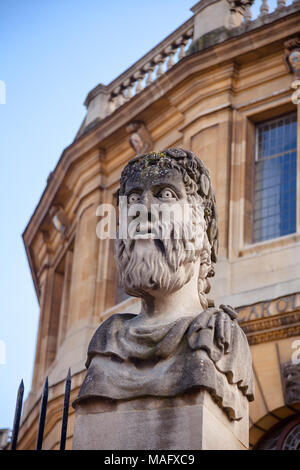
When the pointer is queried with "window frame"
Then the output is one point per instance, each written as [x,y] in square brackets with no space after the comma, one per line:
[256,160]
[245,123]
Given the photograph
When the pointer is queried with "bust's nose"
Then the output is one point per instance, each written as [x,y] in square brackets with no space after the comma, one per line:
[147,198]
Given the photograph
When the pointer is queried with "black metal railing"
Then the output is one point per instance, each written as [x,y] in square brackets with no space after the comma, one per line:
[42,416]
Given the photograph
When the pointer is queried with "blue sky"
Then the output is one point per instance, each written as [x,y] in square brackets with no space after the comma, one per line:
[53,52]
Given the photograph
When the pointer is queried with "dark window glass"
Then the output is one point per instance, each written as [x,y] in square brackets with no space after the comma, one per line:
[275,178]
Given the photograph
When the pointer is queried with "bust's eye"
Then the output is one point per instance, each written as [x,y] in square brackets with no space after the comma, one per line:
[133,198]
[167,194]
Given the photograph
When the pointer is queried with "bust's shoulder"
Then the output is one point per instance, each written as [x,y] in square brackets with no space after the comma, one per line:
[106,332]
[117,317]
[111,323]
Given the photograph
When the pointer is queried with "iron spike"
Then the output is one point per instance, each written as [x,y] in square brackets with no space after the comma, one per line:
[64,423]
[42,418]
[17,418]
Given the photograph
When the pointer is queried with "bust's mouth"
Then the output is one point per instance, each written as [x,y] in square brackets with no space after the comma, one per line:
[145,231]
[147,241]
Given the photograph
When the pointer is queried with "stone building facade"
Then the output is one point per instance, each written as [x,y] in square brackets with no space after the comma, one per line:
[221,86]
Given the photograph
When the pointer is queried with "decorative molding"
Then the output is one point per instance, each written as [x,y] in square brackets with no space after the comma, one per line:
[273,335]
[271,320]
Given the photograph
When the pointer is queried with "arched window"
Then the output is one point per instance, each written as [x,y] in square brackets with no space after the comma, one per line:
[282,436]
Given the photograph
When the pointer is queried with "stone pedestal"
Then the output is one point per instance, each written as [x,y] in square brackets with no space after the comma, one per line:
[192,421]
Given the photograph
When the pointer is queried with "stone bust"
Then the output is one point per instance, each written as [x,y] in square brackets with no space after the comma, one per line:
[179,342]
[291,382]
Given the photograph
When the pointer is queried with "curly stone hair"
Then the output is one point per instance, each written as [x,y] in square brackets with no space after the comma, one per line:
[196,180]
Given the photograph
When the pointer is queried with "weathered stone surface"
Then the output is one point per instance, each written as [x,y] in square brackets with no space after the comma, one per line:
[179,342]
[125,361]
[192,421]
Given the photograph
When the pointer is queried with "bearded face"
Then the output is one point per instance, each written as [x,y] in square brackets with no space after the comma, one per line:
[166,234]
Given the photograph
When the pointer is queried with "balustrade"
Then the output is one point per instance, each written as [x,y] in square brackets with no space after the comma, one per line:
[147,73]
[173,49]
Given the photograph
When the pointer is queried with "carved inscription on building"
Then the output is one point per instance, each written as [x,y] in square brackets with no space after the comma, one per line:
[269,308]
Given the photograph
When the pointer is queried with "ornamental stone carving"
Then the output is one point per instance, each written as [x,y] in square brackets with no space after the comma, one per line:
[291,382]
[292,58]
[140,138]
[292,55]
[59,219]
[179,342]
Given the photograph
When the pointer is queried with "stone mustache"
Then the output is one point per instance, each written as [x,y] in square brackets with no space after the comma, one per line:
[179,342]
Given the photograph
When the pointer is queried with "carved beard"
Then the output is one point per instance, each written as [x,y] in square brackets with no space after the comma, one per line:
[167,266]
